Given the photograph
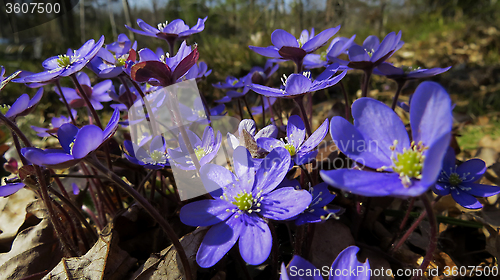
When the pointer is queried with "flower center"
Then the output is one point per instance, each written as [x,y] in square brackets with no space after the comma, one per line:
[408,164]
[290,148]
[323,56]
[201,114]
[234,82]
[370,52]
[408,69]
[454,179]
[244,201]
[162,25]
[64,61]
[157,157]
[200,152]
[120,61]
[4,108]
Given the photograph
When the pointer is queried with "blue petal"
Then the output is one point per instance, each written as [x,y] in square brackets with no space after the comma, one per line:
[272,170]
[255,240]
[206,212]
[297,263]
[481,190]
[18,106]
[66,135]
[285,203]
[295,130]
[266,91]
[297,84]
[472,169]
[348,261]
[215,178]
[281,38]
[313,141]
[12,188]
[466,200]
[358,53]
[88,139]
[433,161]
[320,39]
[268,52]
[244,168]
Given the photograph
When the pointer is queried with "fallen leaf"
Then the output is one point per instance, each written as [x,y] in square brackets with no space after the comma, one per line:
[167,264]
[326,248]
[105,260]
[13,213]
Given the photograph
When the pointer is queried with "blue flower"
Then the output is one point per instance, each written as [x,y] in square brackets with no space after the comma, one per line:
[65,64]
[249,128]
[373,52]
[300,84]
[242,201]
[261,75]
[461,181]
[96,94]
[111,60]
[205,150]
[10,188]
[301,150]
[406,73]
[176,30]
[345,266]
[317,210]
[22,106]
[286,46]
[379,140]
[54,125]
[76,144]
[198,72]
[5,80]
[154,157]
[337,47]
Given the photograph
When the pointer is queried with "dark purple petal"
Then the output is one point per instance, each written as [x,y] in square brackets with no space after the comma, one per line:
[472,169]
[348,261]
[206,212]
[378,122]
[315,138]
[441,189]
[358,53]
[87,140]
[466,200]
[244,168]
[480,189]
[319,40]
[218,241]
[295,130]
[272,170]
[430,113]
[281,38]
[285,203]
[255,240]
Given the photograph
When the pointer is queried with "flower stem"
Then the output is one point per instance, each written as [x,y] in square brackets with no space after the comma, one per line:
[300,101]
[248,107]
[366,82]
[433,235]
[148,107]
[150,209]
[401,84]
[58,85]
[86,99]
[264,110]
[18,149]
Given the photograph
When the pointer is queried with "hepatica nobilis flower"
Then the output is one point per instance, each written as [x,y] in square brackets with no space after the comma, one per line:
[170,32]
[378,140]
[96,94]
[154,157]
[301,150]
[461,181]
[406,73]
[5,80]
[248,135]
[299,84]
[337,47]
[22,106]
[317,211]
[55,123]
[345,266]
[286,46]
[76,144]
[65,64]
[242,201]
[373,52]
[205,149]
[111,60]
[10,188]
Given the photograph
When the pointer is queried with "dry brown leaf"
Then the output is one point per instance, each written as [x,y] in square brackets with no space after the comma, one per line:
[105,260]
[34,250]
[326,248]
[167,264]
[13,213]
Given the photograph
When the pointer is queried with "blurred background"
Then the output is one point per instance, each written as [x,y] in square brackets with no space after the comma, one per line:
[437,33]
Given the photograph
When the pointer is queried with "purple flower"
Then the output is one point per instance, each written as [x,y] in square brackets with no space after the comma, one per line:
[317,210]
[378,140]
[372,52]
[345,266]
[22,106]
[247,127]
[96,94]
[198,72]
[76,144]
[461,181]
[242,201]
[154,157]
[302,152]
[286,46]
[164,71]
[65,64]
[170,32]
[111,60]
[234,83]
[261,75]
[406,73]
[337,47]
[205,149]
[5,80]
[125,99]
[54,125]
[300,84]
